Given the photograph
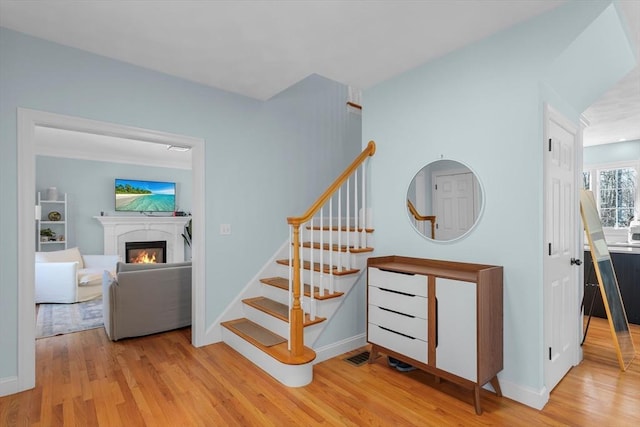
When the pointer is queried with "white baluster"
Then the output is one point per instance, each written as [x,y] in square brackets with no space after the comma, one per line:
[348,226]
[301,257]
[290,282]
[356,243]
[340,229]
[364,206]
[321,251]
[311,276]
[330,245]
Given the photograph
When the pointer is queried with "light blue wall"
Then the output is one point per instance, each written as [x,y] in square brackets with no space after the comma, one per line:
[264,161]
[483,106]
[94,192]
[611,153]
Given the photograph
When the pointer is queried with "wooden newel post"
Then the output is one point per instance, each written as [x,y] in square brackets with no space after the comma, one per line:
[296,316]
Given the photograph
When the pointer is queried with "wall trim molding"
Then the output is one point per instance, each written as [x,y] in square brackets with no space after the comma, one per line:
[340,347]
[535,399]
[8,385]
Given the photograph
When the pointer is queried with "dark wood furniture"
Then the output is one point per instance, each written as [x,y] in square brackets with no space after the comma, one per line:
[440,316]
[627,268]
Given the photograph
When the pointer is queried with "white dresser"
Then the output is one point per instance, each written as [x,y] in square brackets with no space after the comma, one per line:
[440,316]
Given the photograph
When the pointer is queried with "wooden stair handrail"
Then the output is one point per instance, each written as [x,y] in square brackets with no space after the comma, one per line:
[418,217]
[296,315]
[367,152]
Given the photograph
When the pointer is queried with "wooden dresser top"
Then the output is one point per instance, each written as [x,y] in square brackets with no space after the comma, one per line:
[447,269]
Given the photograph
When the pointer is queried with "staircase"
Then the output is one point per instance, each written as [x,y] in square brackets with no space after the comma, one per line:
[277,319]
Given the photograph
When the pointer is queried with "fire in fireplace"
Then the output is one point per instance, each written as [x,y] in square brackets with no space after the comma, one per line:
[146,252]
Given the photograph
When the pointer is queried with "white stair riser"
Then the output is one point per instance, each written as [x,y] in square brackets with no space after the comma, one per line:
[289,375]
[353,236]
[281,327]
[265,320]
[340,283]
[276,294]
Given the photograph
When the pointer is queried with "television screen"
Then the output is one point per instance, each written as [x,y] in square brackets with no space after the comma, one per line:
[145,196]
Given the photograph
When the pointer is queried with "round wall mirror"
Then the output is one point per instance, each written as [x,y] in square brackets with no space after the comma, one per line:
[444,200]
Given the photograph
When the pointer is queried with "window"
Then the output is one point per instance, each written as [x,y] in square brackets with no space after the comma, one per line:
[615,191]
[586,180]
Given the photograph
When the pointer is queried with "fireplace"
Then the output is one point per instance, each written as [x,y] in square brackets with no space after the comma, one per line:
[146,252]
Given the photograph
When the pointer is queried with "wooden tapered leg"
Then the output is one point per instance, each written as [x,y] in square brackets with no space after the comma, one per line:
[476,399]
[373,354]
[496,386]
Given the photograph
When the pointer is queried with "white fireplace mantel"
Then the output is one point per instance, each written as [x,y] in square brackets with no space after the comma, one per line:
[118,230]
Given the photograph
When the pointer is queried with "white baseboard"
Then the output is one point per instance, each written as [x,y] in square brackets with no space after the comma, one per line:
[535,399]
[340,347]
[8,385]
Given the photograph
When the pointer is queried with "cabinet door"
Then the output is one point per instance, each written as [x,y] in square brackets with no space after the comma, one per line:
[456,345]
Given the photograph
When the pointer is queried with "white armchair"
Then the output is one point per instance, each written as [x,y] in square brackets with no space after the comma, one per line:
[67,276]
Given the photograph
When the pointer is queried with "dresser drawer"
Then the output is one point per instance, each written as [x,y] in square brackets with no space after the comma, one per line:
[402,303]
[413,326]
[414,284]
[411,347]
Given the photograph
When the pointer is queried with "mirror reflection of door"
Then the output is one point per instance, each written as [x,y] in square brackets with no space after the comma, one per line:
[449,193]
[454,201]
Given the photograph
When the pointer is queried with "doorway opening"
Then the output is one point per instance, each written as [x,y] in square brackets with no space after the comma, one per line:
[28,121]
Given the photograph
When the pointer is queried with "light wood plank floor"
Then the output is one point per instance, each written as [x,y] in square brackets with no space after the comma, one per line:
[83,379]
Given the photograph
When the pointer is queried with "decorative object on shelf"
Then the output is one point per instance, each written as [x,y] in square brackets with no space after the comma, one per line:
[52,193]
[51,220]
[54,216]
[46,235]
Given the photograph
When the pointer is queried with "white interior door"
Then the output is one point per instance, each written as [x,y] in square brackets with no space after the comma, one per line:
[454,202]
[561,305]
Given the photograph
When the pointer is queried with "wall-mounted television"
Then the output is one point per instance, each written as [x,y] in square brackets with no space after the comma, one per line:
[134,195]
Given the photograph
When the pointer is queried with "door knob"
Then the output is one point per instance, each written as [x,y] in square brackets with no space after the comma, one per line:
[575,261]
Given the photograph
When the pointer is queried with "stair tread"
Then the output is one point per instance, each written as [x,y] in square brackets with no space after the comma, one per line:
[316,267]
[279,351]
[282,283]
[279,310]
[336,248]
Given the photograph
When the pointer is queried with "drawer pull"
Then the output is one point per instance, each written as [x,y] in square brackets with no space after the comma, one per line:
[397,272]
[396,292]
[398,333]
[397,312]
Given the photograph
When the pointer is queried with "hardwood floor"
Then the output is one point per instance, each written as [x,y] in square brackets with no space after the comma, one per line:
[83,379]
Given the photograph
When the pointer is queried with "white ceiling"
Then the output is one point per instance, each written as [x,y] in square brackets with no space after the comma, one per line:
[259,48]
[80,145]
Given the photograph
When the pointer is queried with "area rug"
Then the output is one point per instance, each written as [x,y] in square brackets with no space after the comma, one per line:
[59,319]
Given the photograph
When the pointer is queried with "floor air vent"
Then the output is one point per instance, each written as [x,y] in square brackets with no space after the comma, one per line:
[359,359]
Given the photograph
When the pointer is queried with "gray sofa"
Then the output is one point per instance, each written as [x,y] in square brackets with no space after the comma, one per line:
[144,299]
